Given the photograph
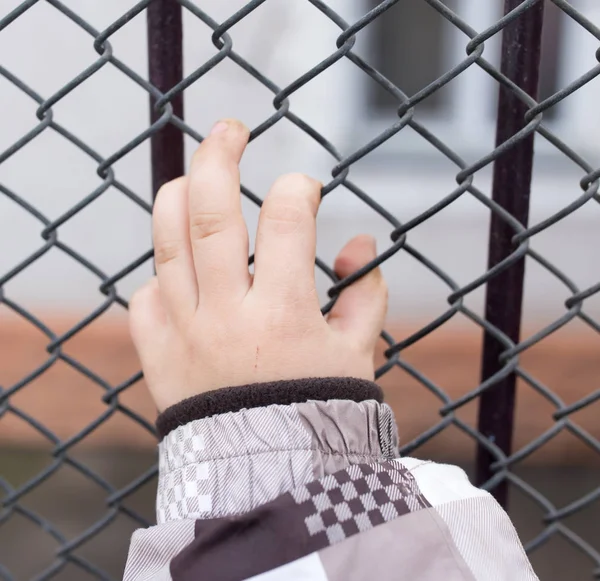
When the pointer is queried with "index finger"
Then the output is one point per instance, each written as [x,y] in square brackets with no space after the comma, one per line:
[218,234]
[286,241]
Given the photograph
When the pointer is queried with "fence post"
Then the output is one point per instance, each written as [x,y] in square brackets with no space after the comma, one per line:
[165,66]
[521,48]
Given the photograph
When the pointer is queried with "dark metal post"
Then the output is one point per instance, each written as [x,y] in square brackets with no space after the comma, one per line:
[521,47]
[165,63]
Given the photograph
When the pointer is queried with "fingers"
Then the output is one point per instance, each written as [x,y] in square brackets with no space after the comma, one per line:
[360,310]
[173,252]
[147,316]
[218,234]
[284,259]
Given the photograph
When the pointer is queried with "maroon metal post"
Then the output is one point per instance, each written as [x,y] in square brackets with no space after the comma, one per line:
[165,65]
[521,48]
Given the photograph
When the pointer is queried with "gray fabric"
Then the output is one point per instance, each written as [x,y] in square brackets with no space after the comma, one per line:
[229,464]
[416,546]
[308,518]
[388,431]
[344,432]
[309,488]
[357,499]
[151,550]
[487,539]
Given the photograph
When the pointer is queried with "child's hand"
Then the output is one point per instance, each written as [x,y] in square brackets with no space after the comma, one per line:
[204,322]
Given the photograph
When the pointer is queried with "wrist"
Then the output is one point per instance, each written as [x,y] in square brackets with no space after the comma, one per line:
[233,399]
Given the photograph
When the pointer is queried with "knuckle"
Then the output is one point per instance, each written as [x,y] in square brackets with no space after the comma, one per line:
[210,160]
[165,252]
[212,172]
[292,201]
[206,224]
[285,213]
[284,321]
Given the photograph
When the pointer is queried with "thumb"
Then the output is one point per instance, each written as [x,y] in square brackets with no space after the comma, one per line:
[360,309]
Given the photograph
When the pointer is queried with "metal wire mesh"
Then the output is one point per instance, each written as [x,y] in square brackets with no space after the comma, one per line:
[168,114]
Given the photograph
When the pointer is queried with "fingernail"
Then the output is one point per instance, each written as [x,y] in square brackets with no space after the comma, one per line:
[219,127]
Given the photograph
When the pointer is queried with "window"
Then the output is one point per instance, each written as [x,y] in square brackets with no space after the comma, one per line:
[409,48]
[552,47]
[412,45]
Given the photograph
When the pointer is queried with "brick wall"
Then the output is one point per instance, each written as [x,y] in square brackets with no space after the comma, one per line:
[65,401]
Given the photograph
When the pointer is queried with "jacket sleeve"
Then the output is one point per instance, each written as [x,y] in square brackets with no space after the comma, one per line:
[226,452]
[231,465]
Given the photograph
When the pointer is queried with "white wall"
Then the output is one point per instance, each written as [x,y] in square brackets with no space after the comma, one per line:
[45,50]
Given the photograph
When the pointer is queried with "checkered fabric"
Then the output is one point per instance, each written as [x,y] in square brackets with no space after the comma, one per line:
[182,491]
[230,463]
[357,499]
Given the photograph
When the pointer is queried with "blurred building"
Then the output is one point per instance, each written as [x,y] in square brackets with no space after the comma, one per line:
[412,45]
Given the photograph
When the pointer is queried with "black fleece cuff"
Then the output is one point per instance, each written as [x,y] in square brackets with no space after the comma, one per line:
[233,399]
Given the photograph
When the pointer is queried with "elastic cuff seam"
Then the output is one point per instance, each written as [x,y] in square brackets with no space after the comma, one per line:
[375,457]
[285,392]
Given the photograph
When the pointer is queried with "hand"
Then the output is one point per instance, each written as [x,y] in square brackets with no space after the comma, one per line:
[204,322]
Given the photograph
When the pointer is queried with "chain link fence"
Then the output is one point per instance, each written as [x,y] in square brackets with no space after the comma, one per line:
[521,118]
